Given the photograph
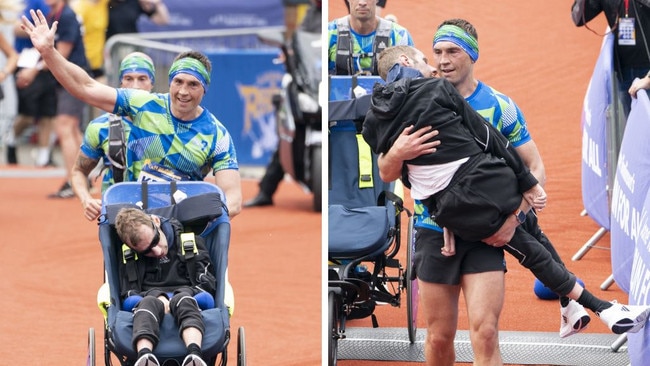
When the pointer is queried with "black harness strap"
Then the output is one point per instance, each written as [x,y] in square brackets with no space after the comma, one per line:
[345,46]
[188,252]
[116,147]
[129,258]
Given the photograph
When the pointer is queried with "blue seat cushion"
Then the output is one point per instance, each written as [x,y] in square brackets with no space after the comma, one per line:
[356,232]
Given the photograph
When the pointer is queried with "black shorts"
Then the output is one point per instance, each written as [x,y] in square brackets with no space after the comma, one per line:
[39,98]
[471,257]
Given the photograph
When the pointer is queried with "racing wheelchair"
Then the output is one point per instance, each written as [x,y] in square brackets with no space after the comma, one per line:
[199,206]
[365,225]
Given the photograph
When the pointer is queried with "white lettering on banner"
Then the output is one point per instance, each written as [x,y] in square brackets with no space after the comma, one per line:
[620,208]
[238,20]
[587,106]
[637,224]
[180,20]
[644,235]
[626,175]
[590,153]
[639,280]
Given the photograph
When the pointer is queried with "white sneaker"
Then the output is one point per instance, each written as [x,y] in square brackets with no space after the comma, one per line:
[147,360]
[625,318]
[573,320]
[193,360]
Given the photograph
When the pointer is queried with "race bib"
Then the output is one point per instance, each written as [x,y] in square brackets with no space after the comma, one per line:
[626,33]
[154,172]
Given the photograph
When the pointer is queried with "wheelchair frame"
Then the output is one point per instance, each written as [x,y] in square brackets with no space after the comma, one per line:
[346,291]
[158,198]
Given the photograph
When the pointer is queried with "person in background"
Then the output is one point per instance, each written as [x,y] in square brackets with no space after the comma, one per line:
[294,11]
[638,84]
[36,98]
[136,72]
[356,40]
[274,172]
[69,110]
[629,21]
[123,15]
[94,19]
[381,5]
[9,10]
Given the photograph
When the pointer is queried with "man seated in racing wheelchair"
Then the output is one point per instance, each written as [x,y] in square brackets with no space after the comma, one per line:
[171,272]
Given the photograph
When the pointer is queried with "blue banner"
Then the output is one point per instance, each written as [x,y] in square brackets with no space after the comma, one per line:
[628,197]
[243,83]
[217,14]
[598,100]
[639,343]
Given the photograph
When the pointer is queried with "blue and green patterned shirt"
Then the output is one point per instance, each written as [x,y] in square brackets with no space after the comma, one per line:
[362,44]
[159,146]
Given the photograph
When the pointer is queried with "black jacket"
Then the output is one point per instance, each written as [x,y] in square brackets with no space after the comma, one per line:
[435,102]
[159,276]
[637,56]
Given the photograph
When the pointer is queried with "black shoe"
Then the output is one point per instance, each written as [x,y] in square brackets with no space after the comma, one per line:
[64,192]
[260,200]
[11,155]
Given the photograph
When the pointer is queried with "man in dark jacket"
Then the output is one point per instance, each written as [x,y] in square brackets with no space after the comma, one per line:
[468,145]
[163,280]
[630,23]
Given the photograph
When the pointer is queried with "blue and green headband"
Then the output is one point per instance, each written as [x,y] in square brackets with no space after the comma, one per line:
[137,62]
[458,36]
[191,66]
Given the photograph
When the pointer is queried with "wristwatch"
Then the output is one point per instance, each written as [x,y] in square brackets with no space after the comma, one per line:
[520,215]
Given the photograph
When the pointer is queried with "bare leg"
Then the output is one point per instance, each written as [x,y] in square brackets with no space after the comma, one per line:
[440,304]
[143,343]
[192,335]
[44,137]
[484,293]
[67,128]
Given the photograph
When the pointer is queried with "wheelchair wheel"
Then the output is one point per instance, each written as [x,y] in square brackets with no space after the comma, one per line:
[91,347]
[333,336]
[241,347]
[412,297]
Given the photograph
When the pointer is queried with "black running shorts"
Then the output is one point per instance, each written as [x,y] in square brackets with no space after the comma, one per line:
[471,257]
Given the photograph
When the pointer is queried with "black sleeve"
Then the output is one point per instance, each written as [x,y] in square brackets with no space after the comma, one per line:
[583,11]
[490,139]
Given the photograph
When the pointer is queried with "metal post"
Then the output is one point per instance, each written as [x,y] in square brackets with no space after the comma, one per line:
[621,340]
[608,282]
[589,244]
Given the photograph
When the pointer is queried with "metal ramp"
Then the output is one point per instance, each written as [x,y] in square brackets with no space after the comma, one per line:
[526,348]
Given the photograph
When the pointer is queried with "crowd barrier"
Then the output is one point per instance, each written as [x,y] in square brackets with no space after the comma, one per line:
[630,232]
[615,186]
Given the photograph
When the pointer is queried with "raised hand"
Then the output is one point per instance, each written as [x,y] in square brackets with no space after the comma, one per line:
[39,32]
